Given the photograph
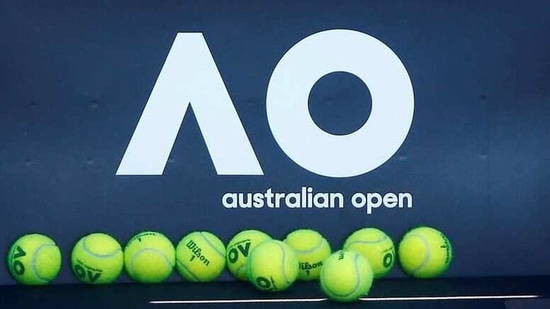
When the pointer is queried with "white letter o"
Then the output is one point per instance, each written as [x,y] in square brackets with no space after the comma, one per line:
[340,51]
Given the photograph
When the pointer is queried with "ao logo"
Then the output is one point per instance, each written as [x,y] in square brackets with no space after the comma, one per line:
[190,77]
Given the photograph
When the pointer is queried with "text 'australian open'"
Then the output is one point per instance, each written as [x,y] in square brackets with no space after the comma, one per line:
[308,198]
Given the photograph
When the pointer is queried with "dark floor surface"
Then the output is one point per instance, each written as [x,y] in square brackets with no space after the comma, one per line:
[386,293]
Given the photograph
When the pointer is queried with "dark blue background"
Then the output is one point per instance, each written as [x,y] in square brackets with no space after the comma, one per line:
[75,77]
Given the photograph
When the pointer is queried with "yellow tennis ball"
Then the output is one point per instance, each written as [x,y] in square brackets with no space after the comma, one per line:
[238,250]
[425,252]
[346,276]
[272,266]
[149,257]
[374,245]
[97,258]
[200,257]
[311,248]
[34,259]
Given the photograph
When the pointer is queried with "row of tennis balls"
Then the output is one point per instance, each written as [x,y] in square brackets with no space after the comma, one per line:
[347,274]
[149,257]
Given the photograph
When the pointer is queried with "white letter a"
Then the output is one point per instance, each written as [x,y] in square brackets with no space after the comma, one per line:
[189,77]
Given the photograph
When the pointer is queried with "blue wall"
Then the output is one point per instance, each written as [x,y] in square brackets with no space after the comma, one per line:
[75,77]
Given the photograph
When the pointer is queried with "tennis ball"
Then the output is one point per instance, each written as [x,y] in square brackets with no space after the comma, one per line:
[374,245]
[272,266]
[311,248]
[200,257]
[97,258]
[34,259]
[149,257]
[238,250]
[425,252]
[346,276]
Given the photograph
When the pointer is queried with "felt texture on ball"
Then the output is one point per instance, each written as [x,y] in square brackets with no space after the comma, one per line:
[34,259]
[346,276]
[238,250]
[149,257]
[97,258]
[272,266]
[200,257]
[311,249]
[376,246]
[425,252]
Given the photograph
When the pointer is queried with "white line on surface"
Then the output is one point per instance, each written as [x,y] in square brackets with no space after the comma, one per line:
[472,297]
[239,301]
[366,299]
